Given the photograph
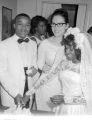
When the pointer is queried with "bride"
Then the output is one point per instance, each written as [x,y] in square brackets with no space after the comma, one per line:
[75,74]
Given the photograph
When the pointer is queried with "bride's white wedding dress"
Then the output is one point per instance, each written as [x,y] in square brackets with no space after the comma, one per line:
[73,94]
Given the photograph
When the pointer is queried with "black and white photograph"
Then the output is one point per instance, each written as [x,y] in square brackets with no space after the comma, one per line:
[45,59]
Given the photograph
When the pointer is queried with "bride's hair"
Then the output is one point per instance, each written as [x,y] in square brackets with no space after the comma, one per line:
[70,40]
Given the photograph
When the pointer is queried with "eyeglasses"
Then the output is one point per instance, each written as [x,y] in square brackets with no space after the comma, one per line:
[58,24]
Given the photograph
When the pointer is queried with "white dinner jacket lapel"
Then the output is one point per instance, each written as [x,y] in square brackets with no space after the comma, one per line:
[16,62]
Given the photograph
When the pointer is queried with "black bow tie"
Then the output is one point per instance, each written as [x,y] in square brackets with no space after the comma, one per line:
[21,40]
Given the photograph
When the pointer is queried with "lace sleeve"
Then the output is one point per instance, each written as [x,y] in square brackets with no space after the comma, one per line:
[48,77]
[42,81]
[53,71]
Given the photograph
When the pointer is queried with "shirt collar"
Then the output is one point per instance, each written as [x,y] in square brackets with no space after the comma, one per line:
[17,37]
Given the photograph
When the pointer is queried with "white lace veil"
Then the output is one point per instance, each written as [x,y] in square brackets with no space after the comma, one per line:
[86,71]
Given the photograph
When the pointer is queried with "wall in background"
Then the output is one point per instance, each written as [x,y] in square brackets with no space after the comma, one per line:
[12,4]
[81,23]
[34,7]
[89,14]
[27,6]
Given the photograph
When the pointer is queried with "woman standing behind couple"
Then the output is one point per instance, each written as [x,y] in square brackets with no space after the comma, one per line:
[46,56]
[38,30]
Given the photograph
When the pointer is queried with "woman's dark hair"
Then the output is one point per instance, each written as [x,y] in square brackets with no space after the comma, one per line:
[70,40]
[62,12]
[35,21]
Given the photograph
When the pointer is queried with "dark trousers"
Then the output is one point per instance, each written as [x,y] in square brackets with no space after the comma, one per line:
[34,105]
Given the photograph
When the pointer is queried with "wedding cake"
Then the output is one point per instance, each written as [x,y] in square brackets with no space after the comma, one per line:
[17,110]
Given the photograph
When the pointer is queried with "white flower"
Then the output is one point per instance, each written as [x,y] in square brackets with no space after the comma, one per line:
[79,40]
[79,37]
[73,31]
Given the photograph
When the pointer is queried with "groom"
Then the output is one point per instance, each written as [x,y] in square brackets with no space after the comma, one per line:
[16,53]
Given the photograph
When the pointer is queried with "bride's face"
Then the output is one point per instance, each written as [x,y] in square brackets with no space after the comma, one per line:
[70,52]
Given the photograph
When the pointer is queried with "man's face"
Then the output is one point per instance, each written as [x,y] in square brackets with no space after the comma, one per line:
[22,26]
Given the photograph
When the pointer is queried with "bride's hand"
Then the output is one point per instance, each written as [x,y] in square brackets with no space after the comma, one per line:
[57,99]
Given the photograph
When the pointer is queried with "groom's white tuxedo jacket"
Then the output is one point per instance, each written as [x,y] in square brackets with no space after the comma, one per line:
[12,74]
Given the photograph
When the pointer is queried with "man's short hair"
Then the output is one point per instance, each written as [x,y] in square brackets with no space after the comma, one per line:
[22,15]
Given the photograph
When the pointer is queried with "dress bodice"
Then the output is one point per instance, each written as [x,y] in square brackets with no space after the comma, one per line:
[51,53]
[71,81]
[47,52]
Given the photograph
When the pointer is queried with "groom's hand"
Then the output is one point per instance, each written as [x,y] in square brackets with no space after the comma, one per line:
[26,99]
[18,100]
